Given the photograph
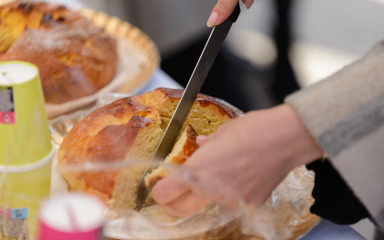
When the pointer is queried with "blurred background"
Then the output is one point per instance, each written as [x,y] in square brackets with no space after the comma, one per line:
[275,48]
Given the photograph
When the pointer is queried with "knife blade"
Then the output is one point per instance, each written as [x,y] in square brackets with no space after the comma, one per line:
[207,57]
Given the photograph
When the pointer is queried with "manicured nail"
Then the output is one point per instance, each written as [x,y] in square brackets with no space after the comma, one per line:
[248,3]
[212,19]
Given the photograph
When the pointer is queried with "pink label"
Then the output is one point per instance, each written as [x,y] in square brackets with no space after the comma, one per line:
[7,118]
[7,106]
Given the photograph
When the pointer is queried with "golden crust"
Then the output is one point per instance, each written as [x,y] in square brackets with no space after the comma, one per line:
[75,58]
[104,136]
[76,143]
[161,95]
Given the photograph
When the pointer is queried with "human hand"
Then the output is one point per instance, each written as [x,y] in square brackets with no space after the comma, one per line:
[244,160]
[223,10]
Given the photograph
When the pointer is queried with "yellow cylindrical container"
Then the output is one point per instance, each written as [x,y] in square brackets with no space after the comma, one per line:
[25,149]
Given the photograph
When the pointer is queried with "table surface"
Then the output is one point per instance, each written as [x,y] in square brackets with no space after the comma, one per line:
[324,230]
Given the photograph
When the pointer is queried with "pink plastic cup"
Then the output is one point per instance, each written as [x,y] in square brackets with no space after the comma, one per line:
[71,216]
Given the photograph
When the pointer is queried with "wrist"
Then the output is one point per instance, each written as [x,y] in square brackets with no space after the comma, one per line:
[305,149]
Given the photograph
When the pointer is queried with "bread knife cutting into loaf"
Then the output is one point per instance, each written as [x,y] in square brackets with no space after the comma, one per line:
[207,57]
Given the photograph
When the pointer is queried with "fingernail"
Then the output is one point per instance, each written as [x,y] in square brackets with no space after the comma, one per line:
[248,3]
[212,19]
[201,139]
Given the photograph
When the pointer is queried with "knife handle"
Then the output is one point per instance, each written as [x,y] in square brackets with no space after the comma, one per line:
[235,13]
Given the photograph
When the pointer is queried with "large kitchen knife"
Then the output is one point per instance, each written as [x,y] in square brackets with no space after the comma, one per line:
[207,57]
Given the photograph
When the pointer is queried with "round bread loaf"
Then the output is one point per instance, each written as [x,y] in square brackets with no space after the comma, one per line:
[75,58]
[129,128]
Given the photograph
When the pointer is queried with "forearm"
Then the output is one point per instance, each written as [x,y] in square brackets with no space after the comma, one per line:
[345,114]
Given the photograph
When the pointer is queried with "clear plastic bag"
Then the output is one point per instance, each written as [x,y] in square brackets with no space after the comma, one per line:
[284,216]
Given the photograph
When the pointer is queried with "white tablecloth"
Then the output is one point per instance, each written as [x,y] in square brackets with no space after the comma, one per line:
[324,230]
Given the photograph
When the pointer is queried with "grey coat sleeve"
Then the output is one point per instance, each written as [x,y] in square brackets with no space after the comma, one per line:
[345,114]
